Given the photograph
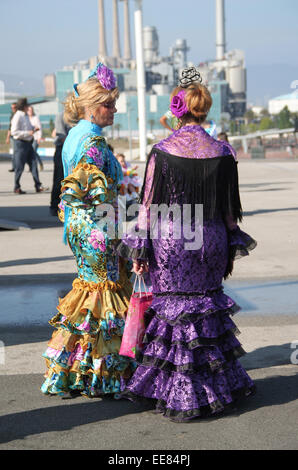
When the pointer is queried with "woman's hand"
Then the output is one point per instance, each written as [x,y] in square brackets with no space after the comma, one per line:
[140,266]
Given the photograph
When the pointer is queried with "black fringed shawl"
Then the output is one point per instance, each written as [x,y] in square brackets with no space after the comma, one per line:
[212,182]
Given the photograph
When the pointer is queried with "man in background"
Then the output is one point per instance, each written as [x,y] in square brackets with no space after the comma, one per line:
[22,132]
[9,138]
[59,133]
[35,121]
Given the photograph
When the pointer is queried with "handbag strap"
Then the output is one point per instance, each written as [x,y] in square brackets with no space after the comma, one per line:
[140,279]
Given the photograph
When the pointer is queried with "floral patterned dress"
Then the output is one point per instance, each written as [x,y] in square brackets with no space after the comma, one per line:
[82,354]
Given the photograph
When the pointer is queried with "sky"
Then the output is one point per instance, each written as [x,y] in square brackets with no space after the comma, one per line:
[39,37]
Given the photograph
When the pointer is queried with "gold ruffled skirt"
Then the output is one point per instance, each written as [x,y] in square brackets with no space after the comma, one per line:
[82,354]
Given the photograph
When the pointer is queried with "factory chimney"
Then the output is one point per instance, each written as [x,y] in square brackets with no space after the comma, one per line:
[127,46]
[220,30]
[102,50]
[116,43]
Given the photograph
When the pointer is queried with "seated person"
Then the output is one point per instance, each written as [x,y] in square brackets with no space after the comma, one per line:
[210,127]
[130,183]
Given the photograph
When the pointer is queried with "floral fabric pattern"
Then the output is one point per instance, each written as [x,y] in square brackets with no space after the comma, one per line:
[83,353]
[96,156]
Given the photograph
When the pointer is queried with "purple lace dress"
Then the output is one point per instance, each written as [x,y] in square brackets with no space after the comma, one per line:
[189,361]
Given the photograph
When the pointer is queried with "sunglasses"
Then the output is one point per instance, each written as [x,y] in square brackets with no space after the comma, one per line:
[109,105]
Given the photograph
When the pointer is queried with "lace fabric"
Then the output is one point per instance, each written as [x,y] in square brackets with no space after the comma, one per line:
[188,142]
[189,361]
[194,142]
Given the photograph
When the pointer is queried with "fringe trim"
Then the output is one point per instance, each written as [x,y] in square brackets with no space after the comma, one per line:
[212,182]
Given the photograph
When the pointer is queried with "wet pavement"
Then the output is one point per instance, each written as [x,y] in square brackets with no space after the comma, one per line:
[278,297]
[35,303]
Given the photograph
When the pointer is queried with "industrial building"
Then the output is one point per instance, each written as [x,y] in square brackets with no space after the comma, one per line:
[225,76]
[276,105]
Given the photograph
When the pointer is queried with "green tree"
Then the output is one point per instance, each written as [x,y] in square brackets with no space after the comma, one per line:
[233,127]
[283,119]
[252,127]
[295,121]
[266,123]
[51,125]
[242,128]
[249,115]
[264,113]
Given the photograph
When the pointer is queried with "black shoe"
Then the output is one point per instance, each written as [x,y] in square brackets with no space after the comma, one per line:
[54,212]
[19,191]
[11,170]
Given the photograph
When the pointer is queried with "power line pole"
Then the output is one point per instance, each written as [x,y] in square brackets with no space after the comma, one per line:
[141,82]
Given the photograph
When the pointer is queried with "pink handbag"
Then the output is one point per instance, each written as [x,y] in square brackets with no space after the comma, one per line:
[132,339]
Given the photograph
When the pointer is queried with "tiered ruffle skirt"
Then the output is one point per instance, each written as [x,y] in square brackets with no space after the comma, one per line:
[82,354]
[189,363]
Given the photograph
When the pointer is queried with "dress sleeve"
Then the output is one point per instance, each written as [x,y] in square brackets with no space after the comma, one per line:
[136,244]
[87,185]
[239,244]
[94,151]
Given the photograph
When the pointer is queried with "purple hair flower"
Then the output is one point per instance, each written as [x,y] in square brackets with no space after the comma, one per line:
[178,105]
[96,155]
[106,77]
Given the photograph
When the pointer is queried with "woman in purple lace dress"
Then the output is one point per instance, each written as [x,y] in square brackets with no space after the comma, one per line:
[189,361]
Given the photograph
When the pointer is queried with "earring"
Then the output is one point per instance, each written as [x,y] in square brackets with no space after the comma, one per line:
[91,117]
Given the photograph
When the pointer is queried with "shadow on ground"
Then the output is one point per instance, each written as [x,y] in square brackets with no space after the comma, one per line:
[34,216]
[268,356]
[271,391]
[260,185]
[27,261]
[267,211]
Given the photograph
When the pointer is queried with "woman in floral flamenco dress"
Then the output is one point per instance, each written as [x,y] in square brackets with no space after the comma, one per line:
[82,355]
[189,363]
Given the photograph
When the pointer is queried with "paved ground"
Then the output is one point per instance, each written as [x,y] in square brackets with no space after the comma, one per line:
[36,268]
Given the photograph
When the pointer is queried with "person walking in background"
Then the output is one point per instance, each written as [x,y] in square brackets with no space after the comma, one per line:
[35,121]
[22,131]
[59,134]
[9,138]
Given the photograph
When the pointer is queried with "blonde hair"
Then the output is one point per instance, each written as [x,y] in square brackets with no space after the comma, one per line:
[91,94]
[198,101]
